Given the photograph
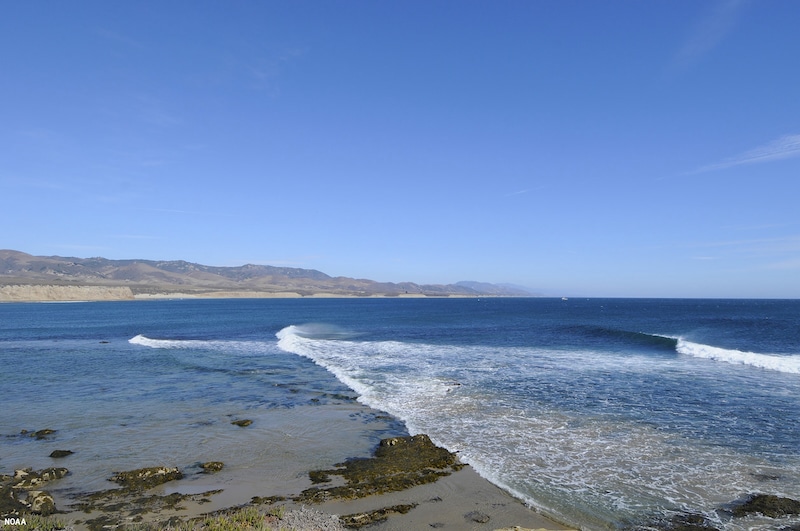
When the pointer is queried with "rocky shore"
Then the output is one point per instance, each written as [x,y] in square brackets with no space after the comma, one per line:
[408,483]
[398,467]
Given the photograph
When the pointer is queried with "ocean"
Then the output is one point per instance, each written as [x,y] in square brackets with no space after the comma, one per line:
[602,413]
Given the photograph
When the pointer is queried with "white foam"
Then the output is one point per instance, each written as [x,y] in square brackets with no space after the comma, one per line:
[242,348]
[787,363]
[550,458]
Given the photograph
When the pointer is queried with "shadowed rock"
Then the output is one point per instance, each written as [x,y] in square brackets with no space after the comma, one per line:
[60,453]
[768,505]
[212,466]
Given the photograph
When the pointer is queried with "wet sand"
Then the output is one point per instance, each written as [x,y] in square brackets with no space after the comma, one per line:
[460,500]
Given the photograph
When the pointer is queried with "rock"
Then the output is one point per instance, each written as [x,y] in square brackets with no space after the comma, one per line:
[25,479]
[358,520]
[21,474]
[690,522]
[60,453]
[9,504]
[212,466]
[768,505]
[41,502]
[43,434]
[398,463]
[242,423]
[145,478]
[477,517]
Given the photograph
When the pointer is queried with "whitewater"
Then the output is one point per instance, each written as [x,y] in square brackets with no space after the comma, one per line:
[606,414]
[598,437]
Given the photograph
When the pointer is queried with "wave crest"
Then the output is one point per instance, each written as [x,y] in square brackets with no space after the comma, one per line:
[787,364]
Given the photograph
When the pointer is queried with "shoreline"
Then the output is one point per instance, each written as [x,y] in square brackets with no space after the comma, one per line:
[389,494]
[96,293]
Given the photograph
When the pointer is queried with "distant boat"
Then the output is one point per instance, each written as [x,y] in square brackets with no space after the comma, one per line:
[564,299]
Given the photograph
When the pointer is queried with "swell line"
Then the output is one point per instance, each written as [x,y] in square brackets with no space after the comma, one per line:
[787,363]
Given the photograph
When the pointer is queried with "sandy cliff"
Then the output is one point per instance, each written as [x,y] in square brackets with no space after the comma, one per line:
[10,293]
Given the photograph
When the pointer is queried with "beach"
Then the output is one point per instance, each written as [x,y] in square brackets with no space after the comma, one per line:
[415,486]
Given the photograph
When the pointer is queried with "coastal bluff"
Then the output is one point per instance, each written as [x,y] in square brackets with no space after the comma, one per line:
[24,277]
[50,293]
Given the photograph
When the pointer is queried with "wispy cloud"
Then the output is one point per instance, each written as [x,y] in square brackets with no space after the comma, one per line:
[785,147]
[525,191]
[709,32]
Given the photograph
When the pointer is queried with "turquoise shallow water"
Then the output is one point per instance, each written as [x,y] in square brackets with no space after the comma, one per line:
[604,413]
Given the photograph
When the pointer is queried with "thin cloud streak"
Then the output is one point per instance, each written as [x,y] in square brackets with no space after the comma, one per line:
[709,33]
[785,147]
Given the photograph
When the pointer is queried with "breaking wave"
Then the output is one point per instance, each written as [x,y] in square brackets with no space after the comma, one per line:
[774,362]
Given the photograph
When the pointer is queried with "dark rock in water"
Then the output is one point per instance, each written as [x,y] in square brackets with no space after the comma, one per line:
[768,505]
[212,466]
[145,478]
[242,423]
[690,522]
[679,522]
[477,517]
[60,453]
[319,476]
[43,434]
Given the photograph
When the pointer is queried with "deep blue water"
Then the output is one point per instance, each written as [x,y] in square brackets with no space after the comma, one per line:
[602,412]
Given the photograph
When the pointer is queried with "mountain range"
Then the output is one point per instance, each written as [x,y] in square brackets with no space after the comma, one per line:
[162,278]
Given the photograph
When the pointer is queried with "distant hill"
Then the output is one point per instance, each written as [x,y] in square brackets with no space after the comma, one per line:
[501,290]
[164,278]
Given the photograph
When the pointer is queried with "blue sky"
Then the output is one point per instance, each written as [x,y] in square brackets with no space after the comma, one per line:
[621,148]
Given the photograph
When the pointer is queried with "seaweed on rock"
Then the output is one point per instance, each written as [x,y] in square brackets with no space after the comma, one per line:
[398,463]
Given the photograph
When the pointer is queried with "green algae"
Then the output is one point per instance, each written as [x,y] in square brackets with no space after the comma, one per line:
[22,494]
[358,520]
[43,434]
[212,466]
[145,478]
[398,463]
